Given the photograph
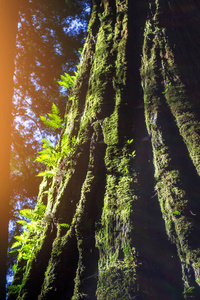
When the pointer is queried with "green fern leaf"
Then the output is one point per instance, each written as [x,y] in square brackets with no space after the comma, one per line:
[55,121]
[64,225]
[55,109]
[67,81]
[16,244]
[27,213]
[46,173]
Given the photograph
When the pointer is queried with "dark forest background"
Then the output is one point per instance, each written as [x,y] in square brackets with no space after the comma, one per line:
[48,43]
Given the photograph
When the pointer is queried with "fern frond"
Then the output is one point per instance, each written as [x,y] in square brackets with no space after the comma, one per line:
[67,81]
[46,173]
[55,121]
[26,213]
[55,109]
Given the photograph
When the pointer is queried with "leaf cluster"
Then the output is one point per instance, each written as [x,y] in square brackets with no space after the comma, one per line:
[50,154]
[67,80]
[54,121]
[32,227]
[33,223]
[167,88]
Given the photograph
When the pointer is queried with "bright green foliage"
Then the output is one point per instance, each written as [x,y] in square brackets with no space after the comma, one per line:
[176,212]
[28,240]
[31,238]
[64,225]
[55,121]
[67,80]
[130,141]
[132,154]
[80,50]
[189,290]
[50,155]
[15,288]
[167,88]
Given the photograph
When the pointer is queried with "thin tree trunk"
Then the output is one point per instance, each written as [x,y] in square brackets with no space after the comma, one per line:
[8,31]
[134,216]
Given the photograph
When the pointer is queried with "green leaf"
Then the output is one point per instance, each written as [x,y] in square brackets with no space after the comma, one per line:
[55,109]
[80,50]
[40,209]
[67,81]
[46,173]
[129,141]
[14,267]
[64,225]
[132,154]
[19,238]
[27,213]
[189,290]
[22,222]
[71,98]
[47,144]
[14,288]
[176,212]
[55,121]
[48,155]
[16,244]
[13,251]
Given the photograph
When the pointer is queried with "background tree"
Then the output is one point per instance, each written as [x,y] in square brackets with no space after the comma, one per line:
[45,41]
[8,23]
[129,183]
[49,34]
[19,19]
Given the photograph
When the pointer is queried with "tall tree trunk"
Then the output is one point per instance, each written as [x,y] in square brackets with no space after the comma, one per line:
[134,216]
[8,31]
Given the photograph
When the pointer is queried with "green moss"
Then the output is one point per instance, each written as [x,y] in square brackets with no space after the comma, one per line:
[117,281]
[117,260]
[110,129]
[165,94]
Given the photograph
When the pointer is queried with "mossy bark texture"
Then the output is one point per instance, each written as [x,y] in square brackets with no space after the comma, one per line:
[130,188]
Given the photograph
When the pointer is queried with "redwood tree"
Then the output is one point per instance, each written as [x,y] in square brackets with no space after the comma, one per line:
[128,185]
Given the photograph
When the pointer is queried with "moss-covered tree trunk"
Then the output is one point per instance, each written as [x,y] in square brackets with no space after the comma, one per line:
[130,187]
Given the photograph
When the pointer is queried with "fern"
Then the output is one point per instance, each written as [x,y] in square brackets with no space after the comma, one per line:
[67,80]
[47,173]
[14,289]
[32,227]
[54,121]
[50,155]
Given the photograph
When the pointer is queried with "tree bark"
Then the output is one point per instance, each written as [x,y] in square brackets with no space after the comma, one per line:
[8,31]
[134,216]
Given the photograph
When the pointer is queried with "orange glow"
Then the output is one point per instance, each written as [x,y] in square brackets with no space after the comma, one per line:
[8,30]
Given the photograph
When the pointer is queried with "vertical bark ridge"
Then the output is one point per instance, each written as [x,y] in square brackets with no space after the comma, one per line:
[163,89]
[87,218]
[156,254]
[117,256]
